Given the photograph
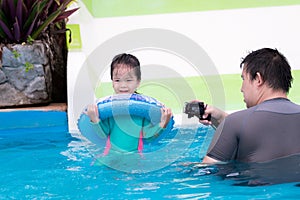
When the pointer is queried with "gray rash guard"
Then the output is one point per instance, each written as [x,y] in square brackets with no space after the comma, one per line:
[261,133]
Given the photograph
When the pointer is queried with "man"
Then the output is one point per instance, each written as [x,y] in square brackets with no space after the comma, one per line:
[270,126]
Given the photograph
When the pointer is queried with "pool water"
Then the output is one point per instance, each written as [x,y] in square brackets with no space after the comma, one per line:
[48,164]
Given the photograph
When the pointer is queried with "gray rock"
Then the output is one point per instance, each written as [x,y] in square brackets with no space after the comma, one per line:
[3,78]
[16,55]
[20,85]
[9,96]
[20,78]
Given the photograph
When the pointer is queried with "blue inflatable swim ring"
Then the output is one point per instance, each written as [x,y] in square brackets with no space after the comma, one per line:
[126,104]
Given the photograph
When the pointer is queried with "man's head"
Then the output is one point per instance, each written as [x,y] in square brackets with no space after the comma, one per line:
[266,68]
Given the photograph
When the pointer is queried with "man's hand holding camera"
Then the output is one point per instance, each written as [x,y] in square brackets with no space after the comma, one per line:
[208,115]
[196,108]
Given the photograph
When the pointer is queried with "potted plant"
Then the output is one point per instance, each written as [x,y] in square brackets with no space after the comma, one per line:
[31,33]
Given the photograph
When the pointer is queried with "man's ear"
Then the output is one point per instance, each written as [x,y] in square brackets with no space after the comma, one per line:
[258,79]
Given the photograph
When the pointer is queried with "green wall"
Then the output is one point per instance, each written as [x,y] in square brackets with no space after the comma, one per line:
[231,83]
[113,8]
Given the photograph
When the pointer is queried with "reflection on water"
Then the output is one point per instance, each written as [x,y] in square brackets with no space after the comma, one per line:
[283,170]
[60,168]
[179,143]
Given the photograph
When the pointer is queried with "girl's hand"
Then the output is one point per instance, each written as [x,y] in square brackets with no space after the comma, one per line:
[92,112]
[166,114]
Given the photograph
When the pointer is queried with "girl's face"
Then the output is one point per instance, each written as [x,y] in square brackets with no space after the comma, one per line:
[124,80]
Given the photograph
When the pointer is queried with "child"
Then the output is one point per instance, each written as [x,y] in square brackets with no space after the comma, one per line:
[125,133]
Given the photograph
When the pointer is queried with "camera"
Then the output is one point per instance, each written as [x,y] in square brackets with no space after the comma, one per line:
[195,109]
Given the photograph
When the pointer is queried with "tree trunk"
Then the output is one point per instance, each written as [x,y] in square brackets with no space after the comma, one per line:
[59,50]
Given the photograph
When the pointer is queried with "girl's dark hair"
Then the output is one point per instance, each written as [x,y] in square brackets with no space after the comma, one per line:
[128,60]
[272,66]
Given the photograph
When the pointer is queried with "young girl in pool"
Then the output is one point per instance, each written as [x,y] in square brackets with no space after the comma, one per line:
[124,134]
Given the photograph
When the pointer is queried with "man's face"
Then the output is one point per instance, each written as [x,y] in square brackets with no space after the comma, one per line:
[249,90]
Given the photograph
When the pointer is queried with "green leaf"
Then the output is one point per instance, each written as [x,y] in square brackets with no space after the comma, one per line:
[29,40]
[16,54]
[45,24]
[20,19]
[35,11]
[28,66]
[6,30]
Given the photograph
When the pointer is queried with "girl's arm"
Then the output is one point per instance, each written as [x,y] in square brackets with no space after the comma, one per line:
[166,114]
[101,128]
[93,113]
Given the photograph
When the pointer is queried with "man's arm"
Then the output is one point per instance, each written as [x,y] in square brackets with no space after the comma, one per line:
[209,160]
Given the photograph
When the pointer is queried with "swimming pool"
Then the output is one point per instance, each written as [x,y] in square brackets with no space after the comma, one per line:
[48,163]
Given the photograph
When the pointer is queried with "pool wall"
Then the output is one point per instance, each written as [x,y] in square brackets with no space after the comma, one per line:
[226,30]
[33,121]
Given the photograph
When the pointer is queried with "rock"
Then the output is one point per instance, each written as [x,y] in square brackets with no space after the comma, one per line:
[25,79]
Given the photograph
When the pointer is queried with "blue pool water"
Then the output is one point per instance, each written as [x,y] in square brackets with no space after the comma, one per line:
[49,163]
